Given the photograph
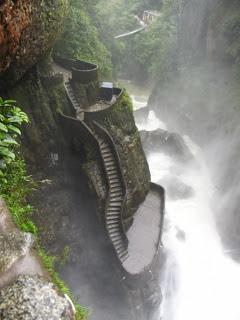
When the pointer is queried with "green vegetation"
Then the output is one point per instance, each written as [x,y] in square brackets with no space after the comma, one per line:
[16,185]
[126,101]
[91,26]
[80,38]
[11,118]
[146,54]
[14,191]
[49,264]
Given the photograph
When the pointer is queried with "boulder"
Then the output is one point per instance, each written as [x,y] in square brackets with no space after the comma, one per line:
[32,297]
[27,32]
[13,246]
[167,142]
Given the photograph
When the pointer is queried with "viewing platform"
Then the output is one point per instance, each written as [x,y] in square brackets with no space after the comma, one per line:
[86,73]
[144,235]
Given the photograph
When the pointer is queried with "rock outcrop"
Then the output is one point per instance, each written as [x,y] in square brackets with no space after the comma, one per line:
[32,297]
[13,246]
[170,143]
[27,32]
[25,289]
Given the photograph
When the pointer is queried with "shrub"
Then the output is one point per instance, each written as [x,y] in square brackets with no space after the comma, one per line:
[11,118]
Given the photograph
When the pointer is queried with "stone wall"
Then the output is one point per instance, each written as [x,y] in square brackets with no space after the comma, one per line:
[24,284]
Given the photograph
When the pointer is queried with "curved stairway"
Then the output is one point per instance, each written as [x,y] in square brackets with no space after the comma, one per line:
[113,212]
[116,192]
[74,101]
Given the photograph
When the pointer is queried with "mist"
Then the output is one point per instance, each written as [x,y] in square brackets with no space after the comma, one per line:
[189,123]
[200,102]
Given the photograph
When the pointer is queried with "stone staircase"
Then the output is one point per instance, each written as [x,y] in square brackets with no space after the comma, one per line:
[113,211]
[74,101]
[116,194]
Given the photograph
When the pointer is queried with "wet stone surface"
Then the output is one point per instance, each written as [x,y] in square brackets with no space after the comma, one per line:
[32,297]
[143,235]
[13,246]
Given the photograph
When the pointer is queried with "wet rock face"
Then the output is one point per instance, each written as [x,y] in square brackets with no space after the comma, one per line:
[13,246]
[119,122]
[24,294]
[14,18]
[32,297]
[167,142]
[27,32]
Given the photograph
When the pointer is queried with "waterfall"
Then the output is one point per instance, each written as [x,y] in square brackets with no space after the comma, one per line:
[199,281]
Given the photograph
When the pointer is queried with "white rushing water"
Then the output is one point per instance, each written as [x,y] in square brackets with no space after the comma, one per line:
[199,281]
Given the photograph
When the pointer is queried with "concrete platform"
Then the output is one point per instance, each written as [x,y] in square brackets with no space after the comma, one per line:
[144,234]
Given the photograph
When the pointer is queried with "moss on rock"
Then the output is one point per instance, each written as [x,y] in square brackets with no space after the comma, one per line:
[27,42]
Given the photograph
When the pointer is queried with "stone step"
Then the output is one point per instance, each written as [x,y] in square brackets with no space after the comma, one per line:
[106,151]
[116,192]
[111,167]
[112,221]
[114,229]
[115,234]
[112,172]
[115,204]
[109,162]
[118,243]
[114,178]
[119,198]
[113,216]
[111,211]
[120,248]
[115,184]
[116,188]
[108,158]
[110,215]
[124,256]
[103,144]
[105,155]
[115,237]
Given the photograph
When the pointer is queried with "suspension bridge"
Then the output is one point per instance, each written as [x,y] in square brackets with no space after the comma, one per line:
[147,18]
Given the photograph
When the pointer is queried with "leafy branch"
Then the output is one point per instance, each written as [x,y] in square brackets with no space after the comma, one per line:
[11,119]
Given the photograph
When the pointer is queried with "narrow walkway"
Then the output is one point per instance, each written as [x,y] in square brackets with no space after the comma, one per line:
[143,235]
[74,101]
